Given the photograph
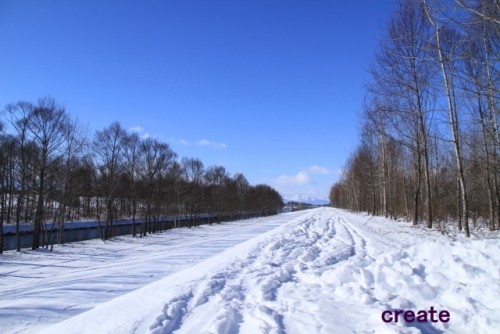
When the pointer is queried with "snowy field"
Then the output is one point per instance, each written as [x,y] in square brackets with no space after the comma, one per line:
[319,271]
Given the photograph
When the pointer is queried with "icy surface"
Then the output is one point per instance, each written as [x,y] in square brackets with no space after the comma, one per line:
[320,271]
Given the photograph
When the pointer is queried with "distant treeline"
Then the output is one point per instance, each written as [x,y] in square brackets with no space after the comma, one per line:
[430,129]
[51,172]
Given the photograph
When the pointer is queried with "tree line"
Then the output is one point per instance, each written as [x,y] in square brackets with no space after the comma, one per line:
[51,173]
[429,147]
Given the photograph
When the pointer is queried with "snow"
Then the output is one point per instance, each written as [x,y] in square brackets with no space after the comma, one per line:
[319,271]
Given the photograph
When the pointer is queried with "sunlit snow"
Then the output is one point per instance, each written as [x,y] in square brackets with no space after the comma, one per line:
[319,271]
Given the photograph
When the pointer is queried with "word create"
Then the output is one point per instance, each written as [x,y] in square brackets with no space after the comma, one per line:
[420,316]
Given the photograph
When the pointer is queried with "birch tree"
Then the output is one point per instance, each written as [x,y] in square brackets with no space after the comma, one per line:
[132,144]
[402,74]
[446,46]
[156,159]
[108,149]
[48,124]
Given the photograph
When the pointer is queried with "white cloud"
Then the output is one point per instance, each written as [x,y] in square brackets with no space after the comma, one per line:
[182,142]
[300,178]
[313,181]
[201,142]
[211,144]
[137,129]
[319,170]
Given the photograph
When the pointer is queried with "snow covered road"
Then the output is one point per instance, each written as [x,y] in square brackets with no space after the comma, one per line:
[40,288]
[321,271]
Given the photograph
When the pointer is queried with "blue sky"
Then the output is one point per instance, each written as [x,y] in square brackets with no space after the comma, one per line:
[269,88]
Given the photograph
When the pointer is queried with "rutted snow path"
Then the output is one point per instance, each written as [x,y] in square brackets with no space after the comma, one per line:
[40,288]
[323,271]
[250,295]
[293,282]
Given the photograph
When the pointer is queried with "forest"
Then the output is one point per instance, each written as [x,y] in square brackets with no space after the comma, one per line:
[52,171]
[429,138]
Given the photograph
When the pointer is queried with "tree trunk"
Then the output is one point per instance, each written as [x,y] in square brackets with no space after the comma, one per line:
[37,228]
[2,214]
[416,196]
[488,165]
[453,119]
[134,210]
[384,175]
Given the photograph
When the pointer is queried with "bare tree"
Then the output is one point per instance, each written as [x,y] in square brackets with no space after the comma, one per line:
[242,190]
[47,126]
[7,156]
[193,175]
[108,149]
[156,159]
[174,178]
[489,9]
[216,179]
[402,72]
[72,149]
[478,78]
[447,46]
[264,200]
[18,116]
[132,145]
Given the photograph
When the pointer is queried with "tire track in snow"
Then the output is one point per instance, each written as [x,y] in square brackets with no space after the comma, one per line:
[246,293]
[325,253]
[103,271]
